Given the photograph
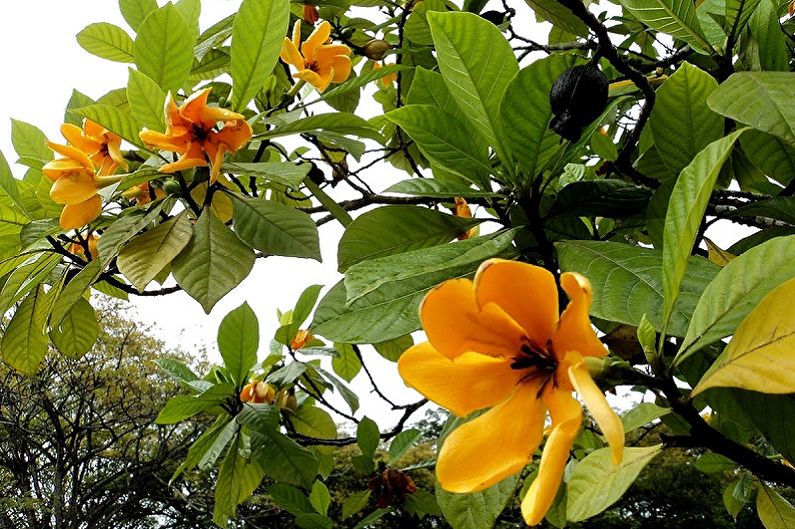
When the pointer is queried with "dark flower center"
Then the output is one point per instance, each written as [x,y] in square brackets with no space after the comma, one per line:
[540,361]
[200,133]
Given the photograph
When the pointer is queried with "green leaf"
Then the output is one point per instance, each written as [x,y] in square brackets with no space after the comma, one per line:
[355,83]
[190,11]
[686,211]
[24,343]
[355,503]
[78,330]
[600,198]
[340,122]
[135,11]
[238,341]
[314,422]
[779,208]
[350,398]
[770,154]
[428,88]
[257,36]
[214,262]
[30,144]
[738,13]
[476,63]
[146,100]
[314,521]
[681,121]
[774,511]
[184,407]
[163,48]
[627,281]
[237,479]
[287,174]
[389,309]
[123,229]
[284,460]
[642,414]
[27,277]
[673,17]
[176,369]
[597,483]
[259,418]
[275,228]
[444,140]
[430,187]
[106,41]
[525,113]
[762,100]
[759,356]
[346,364]
[736,290]
[9,187]
[766,31]
[559,15]
[401,443]
[290,499]
[319,497]
[393,230]
[114,119]
[73,292]
[145,255]
[479,509]
[712,463]
[368,436]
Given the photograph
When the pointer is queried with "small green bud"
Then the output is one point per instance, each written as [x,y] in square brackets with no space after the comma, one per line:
[376,49]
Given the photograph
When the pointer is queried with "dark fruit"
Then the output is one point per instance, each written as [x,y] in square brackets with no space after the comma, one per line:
[316,174]
[495,17]
[578,97]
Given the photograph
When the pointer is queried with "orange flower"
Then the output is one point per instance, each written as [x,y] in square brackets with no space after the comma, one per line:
[191,131]
[389,78]
[317,63]
[499,343]
[141,193]
[461,209]
[79,249]
[300,339]
[310,14]
[75,184]
[258,393]
[102,146]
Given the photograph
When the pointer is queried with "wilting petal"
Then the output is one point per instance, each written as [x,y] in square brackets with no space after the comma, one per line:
[341,68]
[454,323]
[566,418]
[193,157]
[526,292]
[234,135]
[489,448]
[609,422]
[291,55]
[574,332]
[318,37]
[467,383]
[74,216]
[73,188]
[73,153]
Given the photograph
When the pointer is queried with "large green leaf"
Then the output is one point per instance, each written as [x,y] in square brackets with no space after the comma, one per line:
[113,118]
[27,277]
[681,121]
[477,63]
[163,48]
[288,174]
[627,281]
[284,460]
[597,483]
[444,140]
[257,36]
[341,122]
[30,143]
[73,292]
[559,15]
[238,477]
[183,407]
[762,100]
[525,114]
[600,198]
[736,290]
[238,341]
[428,88]
[479,509]
[107,41]
[770,154]
[275,228]
[146,255]
[346,364]
[214,262]
[673,17]
[123,229]
[24,343]
[146,100]
[431,187]
[774,511]
[135,11]
[77,331]
[770,39]
[738,13]
[391,230]
[686,208]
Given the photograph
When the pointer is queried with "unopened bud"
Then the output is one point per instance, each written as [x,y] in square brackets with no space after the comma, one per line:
[171,186]
[376,49]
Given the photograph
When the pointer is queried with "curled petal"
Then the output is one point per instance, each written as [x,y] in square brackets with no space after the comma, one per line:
[467,383]
[57,168]
[327,52]
[491,447]
[74,136]
[341,68]
[291,55]
[68,151]
[171,111]
[566,419]
[234,135]
[574,332]
[297,33]
[114,151]
[318,37]
[454,323]
[607,419]
[526,292]
[73,188]
[193,157]
[75,216]
[168,142]
[216,154]
[211,115]
[315,79]
[191,109]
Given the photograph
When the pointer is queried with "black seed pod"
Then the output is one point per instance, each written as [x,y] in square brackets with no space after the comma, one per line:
[316,174]
[577,98]
[495,17]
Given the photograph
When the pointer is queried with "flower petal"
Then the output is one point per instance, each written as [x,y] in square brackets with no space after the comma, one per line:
[291,55]
[55,169]
[341,67]
[114,151]
[191,109]
[210,115]
[310,77]
[467,383]
[74,216]
[574,332]
[73,153]
[318,37]
[73,188]
[325,53]
[193,157]
[491,447]
[234,134]
[526,292]
[607,419]
[74,136]
[166,142]
[297,33]
[566,419]
[454,324]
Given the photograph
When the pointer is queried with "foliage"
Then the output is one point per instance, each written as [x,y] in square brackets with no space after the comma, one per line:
[698,130]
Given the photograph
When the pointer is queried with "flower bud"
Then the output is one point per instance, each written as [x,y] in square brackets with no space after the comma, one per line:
[376,49]
[171,186]
[578,97]
[264,393]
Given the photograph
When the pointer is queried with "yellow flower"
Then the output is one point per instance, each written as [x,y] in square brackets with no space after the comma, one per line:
[389,78]
[301,338]
[191,132]
[317,63]
[141,193]
[461,209]
[79,250]
[498,343]
[258,393]
[102,146]
[75,184]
